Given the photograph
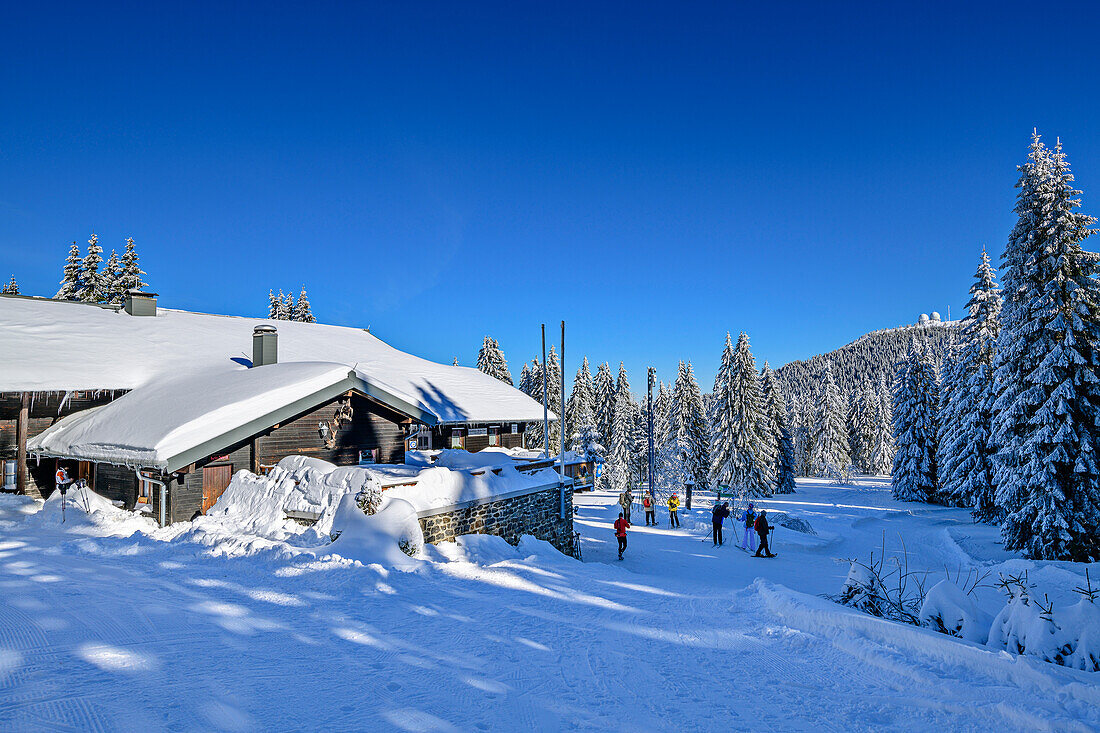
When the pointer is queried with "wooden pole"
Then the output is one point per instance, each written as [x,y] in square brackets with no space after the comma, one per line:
[21,443]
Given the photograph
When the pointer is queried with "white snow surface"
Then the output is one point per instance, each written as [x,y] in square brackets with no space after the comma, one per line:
[108,623]
[49,345]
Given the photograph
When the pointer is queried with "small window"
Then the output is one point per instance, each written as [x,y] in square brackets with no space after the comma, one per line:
[494,437]
[458,438]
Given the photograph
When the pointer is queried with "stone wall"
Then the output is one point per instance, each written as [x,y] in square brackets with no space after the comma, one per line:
[534,514]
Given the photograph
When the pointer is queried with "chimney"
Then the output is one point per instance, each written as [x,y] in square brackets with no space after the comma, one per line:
[140,304]
[265,346]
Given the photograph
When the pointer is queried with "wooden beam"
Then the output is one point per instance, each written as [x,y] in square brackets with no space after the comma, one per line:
[21,443]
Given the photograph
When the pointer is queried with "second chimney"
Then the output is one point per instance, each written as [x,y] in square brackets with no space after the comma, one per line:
[265,346]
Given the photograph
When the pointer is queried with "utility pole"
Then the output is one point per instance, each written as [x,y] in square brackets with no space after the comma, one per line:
[545,418]
[651,374]
[561,421]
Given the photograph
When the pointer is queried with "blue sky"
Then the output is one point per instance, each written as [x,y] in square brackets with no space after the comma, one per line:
[655,174]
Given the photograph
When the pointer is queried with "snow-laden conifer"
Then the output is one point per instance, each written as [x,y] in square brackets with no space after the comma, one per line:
[882,457]
[744,452]
[863,422]
[72,277]
[302,311]
[829,445]
[692,438]
[112,279]
[582,398]
[587,440]
[490,359]
[916,402]
[287,308]
[12,288]
[775,414]
[966,443]
[131,270]
[1047,474]
[93,284]
[603,389]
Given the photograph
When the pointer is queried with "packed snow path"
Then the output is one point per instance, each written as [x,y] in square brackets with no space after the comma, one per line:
[108,633]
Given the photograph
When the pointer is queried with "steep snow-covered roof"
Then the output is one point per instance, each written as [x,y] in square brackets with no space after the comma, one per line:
[48,345]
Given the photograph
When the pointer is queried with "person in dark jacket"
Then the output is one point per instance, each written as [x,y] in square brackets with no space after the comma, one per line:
[620,533]
[717,516]
[762,529]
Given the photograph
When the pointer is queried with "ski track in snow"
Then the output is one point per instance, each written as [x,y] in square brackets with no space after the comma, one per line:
[120,634]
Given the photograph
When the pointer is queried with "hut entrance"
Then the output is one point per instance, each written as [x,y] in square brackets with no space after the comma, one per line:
[215,479]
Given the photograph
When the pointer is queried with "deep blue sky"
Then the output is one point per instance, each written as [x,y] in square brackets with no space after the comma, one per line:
[656,174]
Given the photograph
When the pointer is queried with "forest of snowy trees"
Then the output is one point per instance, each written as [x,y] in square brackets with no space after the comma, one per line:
[1008,421]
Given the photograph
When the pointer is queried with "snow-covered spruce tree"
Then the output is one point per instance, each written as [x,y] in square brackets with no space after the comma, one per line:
[531,385]
[667,466]
[302,311]
[916,400]
[288,307]
[1048,480]
[775,412]
[882,458]
[692,439]
[12,288]
[72,280]
[863,424]
[618,464]
[603,389]
[966,443]
[587,440]
[131,271]
[581,399]
[952,382]
[280,307]
[273,303]
[93,284]
[744,450]
[800,420]
[490,359]
[112,279]
[829,444]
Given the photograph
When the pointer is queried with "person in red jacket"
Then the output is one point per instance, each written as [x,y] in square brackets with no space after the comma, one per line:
[620,533]
[762,528]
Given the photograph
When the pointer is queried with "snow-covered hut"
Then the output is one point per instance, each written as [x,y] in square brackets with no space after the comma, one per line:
[184,399]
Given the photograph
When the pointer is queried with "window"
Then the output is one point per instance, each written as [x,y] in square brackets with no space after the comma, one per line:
[458,438]
[494,437]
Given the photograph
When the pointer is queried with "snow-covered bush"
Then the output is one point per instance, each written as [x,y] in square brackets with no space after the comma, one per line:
[949,610]
[1066,636]
[884,587]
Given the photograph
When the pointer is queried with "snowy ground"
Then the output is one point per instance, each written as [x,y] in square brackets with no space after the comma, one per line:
[135,633]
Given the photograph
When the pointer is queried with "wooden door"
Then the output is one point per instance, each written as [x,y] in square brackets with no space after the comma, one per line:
[214,481]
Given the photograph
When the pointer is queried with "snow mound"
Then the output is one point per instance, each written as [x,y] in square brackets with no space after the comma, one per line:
[797,524]
[480,549]
[309,487]
[91,513]
[950,611]
[392,537]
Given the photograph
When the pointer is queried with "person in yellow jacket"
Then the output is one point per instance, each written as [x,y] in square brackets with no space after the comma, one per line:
[673,507]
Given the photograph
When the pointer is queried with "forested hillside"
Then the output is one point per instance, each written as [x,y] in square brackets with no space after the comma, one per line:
[868,358]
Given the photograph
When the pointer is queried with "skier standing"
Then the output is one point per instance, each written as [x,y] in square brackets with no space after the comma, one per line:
[620,533]
[650,509]
[748,542]
[762,529]
[673,507]
[717,516]
[626,500]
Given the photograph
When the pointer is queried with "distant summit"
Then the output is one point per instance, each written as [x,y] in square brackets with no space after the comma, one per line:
[869,357]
